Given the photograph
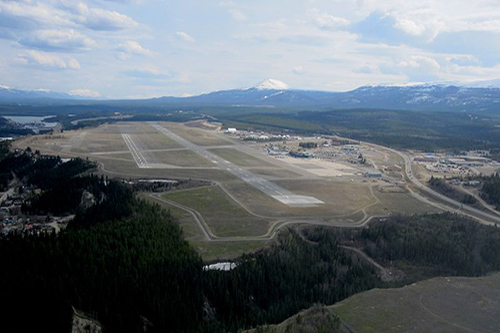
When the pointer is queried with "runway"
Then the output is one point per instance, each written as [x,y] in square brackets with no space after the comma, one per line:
[271,189]
[141,161]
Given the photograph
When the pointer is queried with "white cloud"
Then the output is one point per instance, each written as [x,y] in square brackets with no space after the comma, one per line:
[32,15]
[237,14]
[298,70]
[410,27]
[129,48]
[421,62]
[84,93]
[327,21]
[48,60]
[60,40]
[228,3]
[184,36]
[148,73]
[99,19]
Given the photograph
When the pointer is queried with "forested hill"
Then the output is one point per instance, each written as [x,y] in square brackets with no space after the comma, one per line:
[429,97]
[121,271]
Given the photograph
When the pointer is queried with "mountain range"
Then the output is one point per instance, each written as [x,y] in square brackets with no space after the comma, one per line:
[274,93]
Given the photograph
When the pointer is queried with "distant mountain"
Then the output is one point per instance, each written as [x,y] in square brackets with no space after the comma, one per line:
[12,95]
[422,97]
[270,92]
[273,93]
[277,94]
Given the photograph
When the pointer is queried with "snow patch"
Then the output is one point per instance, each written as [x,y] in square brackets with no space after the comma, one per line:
[221,266]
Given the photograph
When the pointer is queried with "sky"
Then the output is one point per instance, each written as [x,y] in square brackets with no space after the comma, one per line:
[148,48]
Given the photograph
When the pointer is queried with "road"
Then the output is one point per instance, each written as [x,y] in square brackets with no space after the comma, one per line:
[271,233]
[481,201]
[385,274]
[484,217]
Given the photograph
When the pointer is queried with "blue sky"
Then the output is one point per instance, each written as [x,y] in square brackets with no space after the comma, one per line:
[145,48]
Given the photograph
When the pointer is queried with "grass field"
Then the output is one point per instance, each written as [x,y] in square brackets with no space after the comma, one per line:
[101,141]
[152,139]
[340,197]
[399,202]
[341,200]
[443,304]
[218,251]
[224,216]
[123,169]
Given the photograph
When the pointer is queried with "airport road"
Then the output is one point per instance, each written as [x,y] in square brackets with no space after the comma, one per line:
[271,189]
[271,233]
[476,213]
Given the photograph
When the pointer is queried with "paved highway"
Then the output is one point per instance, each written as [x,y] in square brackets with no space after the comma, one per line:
[483,216]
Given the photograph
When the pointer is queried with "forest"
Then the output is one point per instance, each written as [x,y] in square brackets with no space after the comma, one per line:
[440,185]
[422,130]
[490,191]
[425,245]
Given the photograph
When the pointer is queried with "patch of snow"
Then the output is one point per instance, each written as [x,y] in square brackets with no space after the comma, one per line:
[221,266]
[278,93]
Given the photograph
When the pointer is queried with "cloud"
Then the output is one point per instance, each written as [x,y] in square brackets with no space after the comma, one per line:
[298,70]
[48,60]
[308,40]
[125,1]
[148,73]
[420,62]
[30,16]
[327,21]
[462,60]
[418,68]
[184,36]
[129,48]
[484,46]
[105,20]
[84,93]
[227,3]
[54,40]
[237,15]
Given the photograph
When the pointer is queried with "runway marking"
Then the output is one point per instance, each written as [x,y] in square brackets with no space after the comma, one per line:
[139,159]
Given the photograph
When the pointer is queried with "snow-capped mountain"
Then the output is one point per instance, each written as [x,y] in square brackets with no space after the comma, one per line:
[272,93]
[272,84]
